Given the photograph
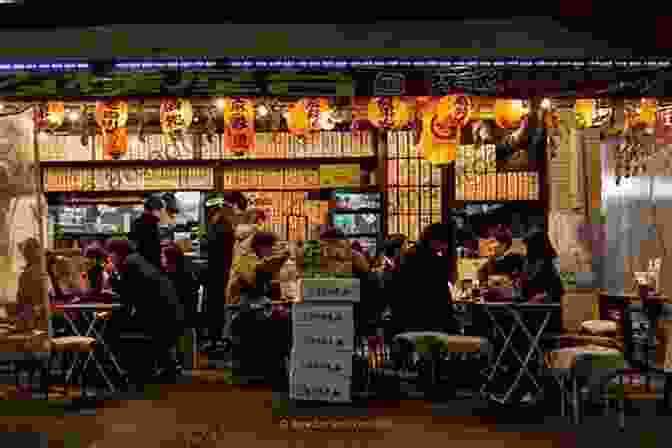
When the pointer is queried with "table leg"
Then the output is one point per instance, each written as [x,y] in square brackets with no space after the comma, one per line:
[505,347]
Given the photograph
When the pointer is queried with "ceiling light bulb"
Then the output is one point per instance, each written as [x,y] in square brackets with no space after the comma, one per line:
[73,116]
[546,103]
[262,111]
[221,103]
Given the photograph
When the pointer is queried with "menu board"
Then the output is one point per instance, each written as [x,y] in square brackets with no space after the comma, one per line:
[270,178]
[340,175]
[413,187]
[128,179]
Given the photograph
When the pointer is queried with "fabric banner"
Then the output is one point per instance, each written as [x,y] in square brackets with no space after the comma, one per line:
[19,214]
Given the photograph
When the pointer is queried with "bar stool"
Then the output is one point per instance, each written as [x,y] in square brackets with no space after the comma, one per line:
[433,347]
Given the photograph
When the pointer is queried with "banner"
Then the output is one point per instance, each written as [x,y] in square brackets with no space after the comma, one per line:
[19,214]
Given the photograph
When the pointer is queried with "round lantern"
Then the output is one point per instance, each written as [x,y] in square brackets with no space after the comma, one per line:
[454,110]
[647,112]
[508,113]
[389,112]
[308,114]
[112,117]
[55,115]
[584,109]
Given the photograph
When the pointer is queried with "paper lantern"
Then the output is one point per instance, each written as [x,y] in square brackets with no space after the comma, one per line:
[584,109]
[176,115]
[308,114]
[55,115]
[438,141]
[508,113]
[389,112]
[647,112]
[112,117]
[239,135]
[454,110]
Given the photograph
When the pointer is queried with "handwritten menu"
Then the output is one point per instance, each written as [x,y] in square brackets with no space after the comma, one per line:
[270,178]
[499,186]
[128,179]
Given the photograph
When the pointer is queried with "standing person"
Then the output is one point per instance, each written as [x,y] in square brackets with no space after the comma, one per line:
[422,300]
[224,213]
[158,312]
[145,231]
[173,263]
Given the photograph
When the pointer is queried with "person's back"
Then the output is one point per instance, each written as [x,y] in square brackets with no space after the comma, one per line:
[145,232]
[422,299]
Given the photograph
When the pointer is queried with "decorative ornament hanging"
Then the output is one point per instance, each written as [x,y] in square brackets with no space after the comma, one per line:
[442,123]
[389,112]
[584,110]
[239,135]
[509,113]
[176,115]
[112,117]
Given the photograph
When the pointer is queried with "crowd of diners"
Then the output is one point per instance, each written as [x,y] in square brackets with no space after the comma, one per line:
[406,285]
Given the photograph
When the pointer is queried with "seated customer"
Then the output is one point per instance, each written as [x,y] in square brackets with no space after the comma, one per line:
[540,279]
[154,300]
[503,262]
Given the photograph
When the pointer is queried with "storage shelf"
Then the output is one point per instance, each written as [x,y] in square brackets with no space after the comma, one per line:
[215,163]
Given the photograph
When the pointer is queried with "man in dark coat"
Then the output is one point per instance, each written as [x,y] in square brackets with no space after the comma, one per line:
[145,231]
[422,299]
[224,213]
[152,302]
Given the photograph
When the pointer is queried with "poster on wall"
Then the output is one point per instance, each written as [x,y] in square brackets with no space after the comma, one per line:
[502,128]
[19,213]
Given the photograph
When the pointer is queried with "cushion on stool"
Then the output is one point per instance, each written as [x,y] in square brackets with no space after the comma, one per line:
[24,342]
[449,343]
[599,327]
[601,357]
[76,344]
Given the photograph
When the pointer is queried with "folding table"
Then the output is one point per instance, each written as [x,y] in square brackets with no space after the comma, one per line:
[92,327]
[519,316]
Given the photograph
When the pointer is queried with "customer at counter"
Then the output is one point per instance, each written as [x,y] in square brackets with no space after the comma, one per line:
[224,213]
[502,262]
[145,231]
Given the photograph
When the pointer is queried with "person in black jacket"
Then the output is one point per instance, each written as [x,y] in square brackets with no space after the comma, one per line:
[224,213]
[152,301]
[421,298]
[174,266]
[540,280]
[145,231]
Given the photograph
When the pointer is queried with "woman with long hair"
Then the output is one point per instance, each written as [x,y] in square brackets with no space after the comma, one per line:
[540,279]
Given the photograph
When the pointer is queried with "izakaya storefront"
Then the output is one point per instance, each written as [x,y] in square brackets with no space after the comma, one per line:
[370,149]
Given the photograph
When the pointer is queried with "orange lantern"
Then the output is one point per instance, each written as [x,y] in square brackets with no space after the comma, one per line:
[584,109]
[389,112]
[239,135]
[112,117]
[176,115]
[307,115]
[55,115]
[454,110]
[508,113]
[647,112]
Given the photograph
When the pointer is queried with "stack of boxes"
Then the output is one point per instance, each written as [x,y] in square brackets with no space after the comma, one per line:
[324,337]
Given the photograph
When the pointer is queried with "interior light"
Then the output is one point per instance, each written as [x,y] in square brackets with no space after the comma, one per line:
[546,103]
[262,110]
[73,116]
[220,103]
